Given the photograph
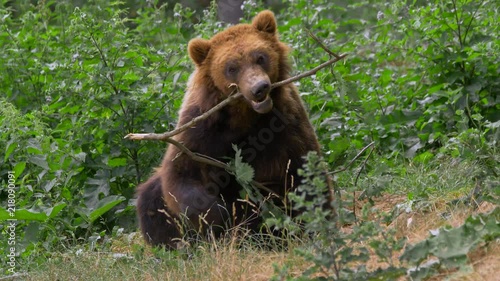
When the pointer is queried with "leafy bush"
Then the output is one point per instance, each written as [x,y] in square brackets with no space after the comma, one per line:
[476,230]
[77,80]
[414,72]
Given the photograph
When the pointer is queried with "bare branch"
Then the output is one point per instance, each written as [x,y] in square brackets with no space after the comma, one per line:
[196,156]
[214,162]
[363,165]
[190,124]
[308,73]
[321,44]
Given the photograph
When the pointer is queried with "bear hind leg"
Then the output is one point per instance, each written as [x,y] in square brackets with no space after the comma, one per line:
[158,225]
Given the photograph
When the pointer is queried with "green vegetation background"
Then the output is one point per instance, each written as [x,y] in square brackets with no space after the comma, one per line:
[421,80]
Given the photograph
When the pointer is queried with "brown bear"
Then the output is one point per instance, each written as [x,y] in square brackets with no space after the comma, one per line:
[270,126]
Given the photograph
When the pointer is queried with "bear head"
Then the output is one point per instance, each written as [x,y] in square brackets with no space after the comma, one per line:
[248,56]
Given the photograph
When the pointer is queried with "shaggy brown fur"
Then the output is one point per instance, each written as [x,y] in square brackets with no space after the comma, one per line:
[269,126]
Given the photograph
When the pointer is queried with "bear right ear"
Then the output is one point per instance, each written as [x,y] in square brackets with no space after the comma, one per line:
[265,21]
[198,50]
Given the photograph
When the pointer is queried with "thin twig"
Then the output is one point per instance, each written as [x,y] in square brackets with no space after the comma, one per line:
[363,165]
[308,73]
[321,44]
[457,19]
[190,124]
[263,187]
[353,159]
[196,156]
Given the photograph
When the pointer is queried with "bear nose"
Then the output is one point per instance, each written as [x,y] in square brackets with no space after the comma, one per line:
[261,89]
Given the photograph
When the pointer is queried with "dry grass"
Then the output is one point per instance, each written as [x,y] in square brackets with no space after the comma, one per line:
[239,259]
[221,261]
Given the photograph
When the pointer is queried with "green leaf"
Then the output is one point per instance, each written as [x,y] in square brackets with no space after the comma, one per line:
[19,169]
[494,125]
[39,160]
[117,162]
[55,210]
[474,87]
[131,76]
[49,185]
[11,145]
[424,157]
[28,215]
[4,214]
[243,171]
[105,205]
[33,150]
[434,89]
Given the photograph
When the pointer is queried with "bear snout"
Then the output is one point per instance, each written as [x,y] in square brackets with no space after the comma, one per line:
[260,90]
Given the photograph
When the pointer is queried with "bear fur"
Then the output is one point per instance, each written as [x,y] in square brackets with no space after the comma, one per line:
[270,126]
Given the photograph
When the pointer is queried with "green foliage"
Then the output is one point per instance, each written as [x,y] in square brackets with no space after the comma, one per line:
[337,254]
[76,81]
[243,172]
[451,245]
[415,76]
[341,253]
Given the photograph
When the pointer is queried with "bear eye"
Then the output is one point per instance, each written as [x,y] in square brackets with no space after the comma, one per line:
[261,60]
[231,70]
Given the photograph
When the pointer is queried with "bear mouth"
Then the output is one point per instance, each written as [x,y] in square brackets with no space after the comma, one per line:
[263,106]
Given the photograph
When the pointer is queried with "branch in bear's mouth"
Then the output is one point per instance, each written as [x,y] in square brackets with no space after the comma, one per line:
[236,95]
[308,73]
[166,136]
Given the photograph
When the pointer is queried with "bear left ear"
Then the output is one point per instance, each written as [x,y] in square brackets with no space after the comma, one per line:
[198,50]
[265,21]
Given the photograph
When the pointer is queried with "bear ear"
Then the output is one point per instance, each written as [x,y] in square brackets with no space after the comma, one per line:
[198,50]
[265,21]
